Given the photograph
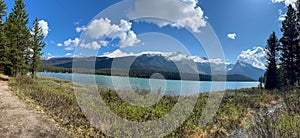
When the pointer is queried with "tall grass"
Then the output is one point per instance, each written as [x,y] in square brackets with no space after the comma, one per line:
[236,115]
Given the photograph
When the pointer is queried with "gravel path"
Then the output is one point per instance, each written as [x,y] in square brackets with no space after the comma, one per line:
[17,120]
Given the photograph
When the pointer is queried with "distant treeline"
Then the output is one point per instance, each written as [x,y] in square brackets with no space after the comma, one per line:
[147,74]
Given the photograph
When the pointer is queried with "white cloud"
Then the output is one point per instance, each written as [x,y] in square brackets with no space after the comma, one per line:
[69,48]
[71,42]
[80,29]
[286,2]
[255,57]
[44,26]
[182,14]
[93,45]
[100,30]
[232,36]
[281,15]
[69,55]
[103,28]
[103,43]
[60,44]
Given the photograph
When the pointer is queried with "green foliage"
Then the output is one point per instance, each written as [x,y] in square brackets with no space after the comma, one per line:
[19,50]
[281,120]
[37,46]
[288,73]
[56,97]
[18,36]
[289,43]
[298,46]
[271,51]
[3,40]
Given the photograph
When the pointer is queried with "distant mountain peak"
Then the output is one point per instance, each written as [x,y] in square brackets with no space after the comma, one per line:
[255,57]
[172,56]
[168,61]
[47,57]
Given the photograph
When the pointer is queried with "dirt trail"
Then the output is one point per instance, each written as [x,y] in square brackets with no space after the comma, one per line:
[17,120]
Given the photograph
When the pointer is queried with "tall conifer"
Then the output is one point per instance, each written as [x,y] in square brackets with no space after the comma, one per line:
[19,38]
[288,49]
[37,46]
[2,38]
[271,51]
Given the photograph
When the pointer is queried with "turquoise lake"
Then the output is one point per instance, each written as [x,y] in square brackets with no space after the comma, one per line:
[166,86]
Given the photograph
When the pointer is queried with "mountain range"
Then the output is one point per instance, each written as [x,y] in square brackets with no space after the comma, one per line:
[161,62]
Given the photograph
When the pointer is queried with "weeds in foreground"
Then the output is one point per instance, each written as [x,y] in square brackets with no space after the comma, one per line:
[237,114]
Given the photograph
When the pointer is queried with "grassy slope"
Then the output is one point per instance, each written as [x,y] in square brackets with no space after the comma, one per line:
[241,111]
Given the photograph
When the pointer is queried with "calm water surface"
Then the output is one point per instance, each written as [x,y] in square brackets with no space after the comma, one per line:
[166,86]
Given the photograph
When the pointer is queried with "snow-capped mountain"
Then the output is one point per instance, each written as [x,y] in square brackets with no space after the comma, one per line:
[167,62]
[47,57]
[246,69]
[172,56]
[250,63]
[255,57]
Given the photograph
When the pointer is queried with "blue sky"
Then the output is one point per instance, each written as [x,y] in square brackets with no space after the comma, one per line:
[247,22]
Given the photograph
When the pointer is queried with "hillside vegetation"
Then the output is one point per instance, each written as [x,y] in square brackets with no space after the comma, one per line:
[253,112]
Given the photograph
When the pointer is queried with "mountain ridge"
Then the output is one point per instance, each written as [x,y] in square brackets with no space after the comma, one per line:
[165,62]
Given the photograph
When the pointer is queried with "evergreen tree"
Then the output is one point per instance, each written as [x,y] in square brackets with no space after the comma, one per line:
[271,51]
[288,49]
[298,46]
[10,30]
[19,38]
[37,46]
[2,10]
[2,37]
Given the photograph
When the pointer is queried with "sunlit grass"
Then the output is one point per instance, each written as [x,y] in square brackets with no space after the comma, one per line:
[236,114]
[3,77]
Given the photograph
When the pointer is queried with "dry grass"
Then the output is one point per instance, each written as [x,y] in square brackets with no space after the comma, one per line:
[4,77]
[56,98]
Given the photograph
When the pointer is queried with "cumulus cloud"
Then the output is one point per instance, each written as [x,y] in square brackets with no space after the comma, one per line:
[182,14]
[93,45]
[102,29]
[70,44]
[103,43]
[99,31]
[232,36]
[44,26]
[255,57]
[80,29]
[286,2]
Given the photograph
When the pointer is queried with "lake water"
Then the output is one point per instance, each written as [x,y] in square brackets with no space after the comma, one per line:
[166,86]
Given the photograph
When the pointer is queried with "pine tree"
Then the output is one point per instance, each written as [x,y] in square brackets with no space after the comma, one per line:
[271,51]
[19,38]
[288,49]
[298,46]
[10,30]
[37,46]
[2,38]
[2,10]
